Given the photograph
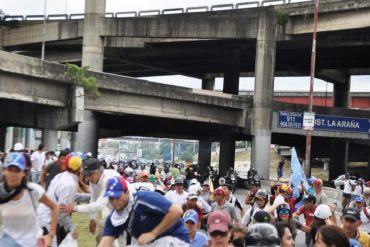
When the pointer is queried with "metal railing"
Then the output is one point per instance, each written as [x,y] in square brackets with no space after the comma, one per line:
[219,7]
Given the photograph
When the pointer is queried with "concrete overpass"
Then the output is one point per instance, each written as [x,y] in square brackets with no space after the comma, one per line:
[36,94]
[231,43]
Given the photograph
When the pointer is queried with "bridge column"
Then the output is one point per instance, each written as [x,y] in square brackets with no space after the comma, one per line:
[2,138]
[263,92]
[339,148]
[227,153]
[232,70]
[92,56]
[208,83]
[9,138]
[88,134]
[50,139]
[17,135]
[204,155]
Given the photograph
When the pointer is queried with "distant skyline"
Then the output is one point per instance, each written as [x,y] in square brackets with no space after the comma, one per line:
[36,7]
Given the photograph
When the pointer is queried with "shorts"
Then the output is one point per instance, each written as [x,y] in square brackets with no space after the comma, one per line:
[345,195]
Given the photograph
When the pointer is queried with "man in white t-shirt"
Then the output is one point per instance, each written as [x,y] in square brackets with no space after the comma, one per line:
[177,196]
[347,190]
[38,161]
[262,199]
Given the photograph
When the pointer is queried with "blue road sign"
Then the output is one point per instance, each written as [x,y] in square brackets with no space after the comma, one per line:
[325,122]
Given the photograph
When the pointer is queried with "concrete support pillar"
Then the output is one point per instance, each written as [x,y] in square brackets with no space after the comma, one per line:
[204,155]
[232,70]
[2,138]
[263,92]
[30,138]
[88,134]
[9,138]
[227,154]
[339,148]
[50,139]
[92,56]
[93,46]
[17,135]
[208,83]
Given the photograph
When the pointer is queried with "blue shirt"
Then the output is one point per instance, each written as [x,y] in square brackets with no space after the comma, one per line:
[200,240]
[147,212]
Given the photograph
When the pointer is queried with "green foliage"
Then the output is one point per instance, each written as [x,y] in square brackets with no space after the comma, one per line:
[282,18]
[77,75]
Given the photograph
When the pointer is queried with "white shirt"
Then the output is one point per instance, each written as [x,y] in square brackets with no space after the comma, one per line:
[358,191]
[62,190]
[348,186]
[143,186]
[48,161]
[247,218]
[38,160]
[97,200]
[176,198]
[19,217]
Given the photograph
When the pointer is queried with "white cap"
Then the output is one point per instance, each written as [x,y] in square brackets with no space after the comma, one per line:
[18,147]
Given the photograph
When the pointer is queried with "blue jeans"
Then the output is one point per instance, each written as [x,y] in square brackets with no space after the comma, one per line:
[6,240]
[35,177]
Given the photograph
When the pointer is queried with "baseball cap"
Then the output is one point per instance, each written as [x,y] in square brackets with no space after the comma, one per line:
[219,221]
[351,213]
[91,165]
[16,159]
[191,215]
[359,200]
[192,196]
[310,198]
[262,217]
[219,191]
[283,188]
[206,182]
[115,187]
[194,181]
[18,147]
[317,182]
[179,181]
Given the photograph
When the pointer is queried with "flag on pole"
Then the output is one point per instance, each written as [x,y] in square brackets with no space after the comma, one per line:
[297,175]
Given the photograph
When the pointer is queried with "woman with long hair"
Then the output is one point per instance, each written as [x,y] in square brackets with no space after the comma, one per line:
[18,203]
[332,236]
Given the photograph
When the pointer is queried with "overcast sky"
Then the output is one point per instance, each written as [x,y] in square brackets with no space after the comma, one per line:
[36,7]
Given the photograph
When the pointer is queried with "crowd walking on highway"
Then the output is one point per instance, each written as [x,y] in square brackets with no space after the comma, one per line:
[138,204]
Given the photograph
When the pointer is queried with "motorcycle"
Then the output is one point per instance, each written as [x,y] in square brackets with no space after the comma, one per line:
[232,178]
[253,178]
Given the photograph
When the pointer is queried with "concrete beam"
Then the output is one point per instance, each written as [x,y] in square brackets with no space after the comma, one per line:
[224,24]
[55,31]
[134,42]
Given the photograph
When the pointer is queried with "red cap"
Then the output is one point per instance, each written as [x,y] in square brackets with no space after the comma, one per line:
[219,191]
[318,182]
[219,221]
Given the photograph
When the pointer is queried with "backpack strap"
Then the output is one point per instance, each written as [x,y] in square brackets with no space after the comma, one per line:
[31,196]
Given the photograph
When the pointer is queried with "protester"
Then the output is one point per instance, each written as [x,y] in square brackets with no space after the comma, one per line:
[179,195]
[38,161]
[221,204]
[280,169]
[18,202]
[238,232]
[62,190]
[261,199]
[249,199]
[219,225]
[358,204]
[331,236]
[51,170]
[98,177]
[321,197]
[197,238]
[280,198]
[347,190]
[285,234]
[232,199]
[205,193]
[321,215]
[191,203]
[351,220]
[149,217]
[308,210]
[262,234]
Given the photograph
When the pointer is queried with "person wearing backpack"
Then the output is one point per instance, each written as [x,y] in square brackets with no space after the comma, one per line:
[262,199]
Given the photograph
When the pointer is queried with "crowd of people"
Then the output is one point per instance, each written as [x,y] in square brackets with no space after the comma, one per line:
[143,205]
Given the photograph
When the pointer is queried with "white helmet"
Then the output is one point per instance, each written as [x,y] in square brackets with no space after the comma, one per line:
[322,212]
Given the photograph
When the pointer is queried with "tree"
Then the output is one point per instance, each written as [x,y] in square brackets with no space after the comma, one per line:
[165,150]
